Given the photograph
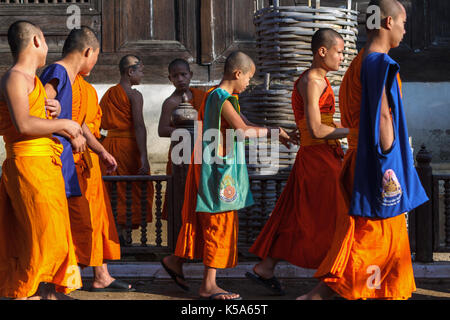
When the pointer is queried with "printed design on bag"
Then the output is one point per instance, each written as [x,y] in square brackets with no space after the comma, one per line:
[392,190]
[228,191]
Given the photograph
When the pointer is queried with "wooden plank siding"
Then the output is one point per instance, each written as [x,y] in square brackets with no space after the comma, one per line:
[205,31]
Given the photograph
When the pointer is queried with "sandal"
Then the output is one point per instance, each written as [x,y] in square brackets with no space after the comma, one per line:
[214,296]
[175,276]
[271,284]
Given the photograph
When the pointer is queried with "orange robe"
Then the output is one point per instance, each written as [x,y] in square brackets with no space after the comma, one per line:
[302,224]
[121,143]
[211,237]
[197,100]
[369,258]
[36,242]
[104,239]
[79,210]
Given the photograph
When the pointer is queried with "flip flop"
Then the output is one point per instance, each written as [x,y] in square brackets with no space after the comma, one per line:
[271,284]
[175,276]
[115,286]
[214,296]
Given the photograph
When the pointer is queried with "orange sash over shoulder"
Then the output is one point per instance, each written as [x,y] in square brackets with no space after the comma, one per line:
[368,259]
[121,142]
[36,242]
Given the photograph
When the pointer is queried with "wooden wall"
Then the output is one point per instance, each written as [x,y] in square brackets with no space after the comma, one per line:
[205,31]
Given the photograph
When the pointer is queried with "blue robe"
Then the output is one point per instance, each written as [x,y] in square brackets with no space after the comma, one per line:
[64,96]
[386,184]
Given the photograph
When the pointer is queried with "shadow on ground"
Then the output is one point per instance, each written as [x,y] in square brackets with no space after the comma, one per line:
[157,289]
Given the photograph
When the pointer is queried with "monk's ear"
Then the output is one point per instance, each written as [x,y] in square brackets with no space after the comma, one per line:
[322,52]
[237,74]
[389,23]
[87,52]
[36,41]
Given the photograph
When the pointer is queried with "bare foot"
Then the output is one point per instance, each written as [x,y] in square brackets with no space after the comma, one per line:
[102,278]
[175,264]
[320,292]
[48,292]
[218,294]
[263,272]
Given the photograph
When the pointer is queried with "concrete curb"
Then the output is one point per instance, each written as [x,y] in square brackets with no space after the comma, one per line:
[436,270]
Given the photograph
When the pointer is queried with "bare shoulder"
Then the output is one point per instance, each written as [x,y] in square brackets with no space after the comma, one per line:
[15,78]
[171,103]
[311,84]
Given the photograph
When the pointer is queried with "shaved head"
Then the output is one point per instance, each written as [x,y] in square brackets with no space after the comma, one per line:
[79,40]
[20,33]
[129,61]
[238,60]
[179,62]
[324,37]
[388,8]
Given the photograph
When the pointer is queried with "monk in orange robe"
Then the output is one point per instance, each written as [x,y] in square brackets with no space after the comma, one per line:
[36,245]
[123,118]
[180,75]
[369,258]
[92,223]
[212,237]
[301,227]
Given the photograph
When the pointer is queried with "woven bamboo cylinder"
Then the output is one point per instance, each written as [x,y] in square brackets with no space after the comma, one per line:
[283,35]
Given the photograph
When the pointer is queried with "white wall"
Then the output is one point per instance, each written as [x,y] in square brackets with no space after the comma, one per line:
[427,109]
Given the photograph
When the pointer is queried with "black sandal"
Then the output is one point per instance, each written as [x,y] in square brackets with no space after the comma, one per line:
[115,286]
[271,284]
[214,296]
[175,276]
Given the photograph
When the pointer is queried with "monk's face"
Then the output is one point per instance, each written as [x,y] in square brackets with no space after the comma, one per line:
[137,74]
[90,60]
[334,56]
[243,79]
[180,76]
[397,28]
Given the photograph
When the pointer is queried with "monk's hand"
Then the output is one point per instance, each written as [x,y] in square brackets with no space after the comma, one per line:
[52,108]
[72,128]
[144,170]
[109,162]
[285,139]
[295,137]
[78,144]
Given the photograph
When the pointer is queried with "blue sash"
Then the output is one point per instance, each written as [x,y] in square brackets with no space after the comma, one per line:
[64,96]
[385,185]
[224,184]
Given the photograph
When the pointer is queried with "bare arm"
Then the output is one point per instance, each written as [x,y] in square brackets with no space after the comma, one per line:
[16,94]
[311,93]
[108,160]
[165,128]
[137,106]
[236,121]
[386,126]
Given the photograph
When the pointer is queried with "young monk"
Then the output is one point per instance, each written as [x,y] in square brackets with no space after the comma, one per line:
[36,245]
[123,118]
[301,226]
[93,228]
[180,75]
[210,221]
[370,256]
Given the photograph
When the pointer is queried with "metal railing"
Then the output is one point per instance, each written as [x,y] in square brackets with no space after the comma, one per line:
[428,225]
